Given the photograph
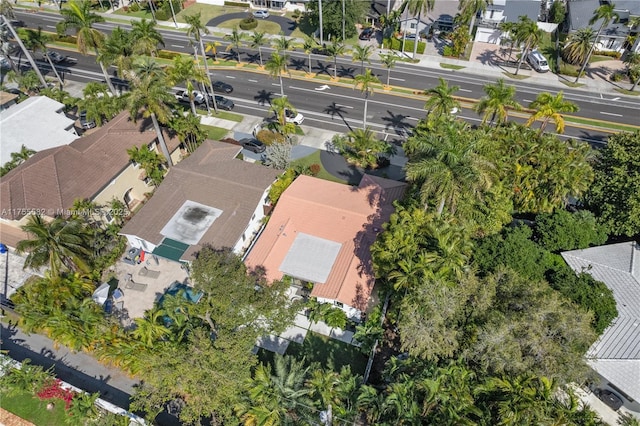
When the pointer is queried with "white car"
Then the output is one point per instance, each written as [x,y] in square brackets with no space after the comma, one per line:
[183,96]
[55,57]
[293,117]
[261,13]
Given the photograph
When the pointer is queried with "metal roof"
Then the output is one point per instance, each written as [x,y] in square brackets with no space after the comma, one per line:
[310,258]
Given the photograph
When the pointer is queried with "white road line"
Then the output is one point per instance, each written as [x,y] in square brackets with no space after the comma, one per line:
[527,100]
[397,79]
[51,26]
[465,90]
[253,81]
[275,84]
[344,106]
[610,113]
[229,76]
[177,45]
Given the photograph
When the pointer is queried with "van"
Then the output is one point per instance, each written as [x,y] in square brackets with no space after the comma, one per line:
[537,61]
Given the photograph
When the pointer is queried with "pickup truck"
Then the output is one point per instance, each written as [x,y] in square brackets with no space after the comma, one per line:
[183,96]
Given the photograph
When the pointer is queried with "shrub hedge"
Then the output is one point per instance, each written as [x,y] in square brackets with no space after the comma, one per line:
[248,23]
[396,44]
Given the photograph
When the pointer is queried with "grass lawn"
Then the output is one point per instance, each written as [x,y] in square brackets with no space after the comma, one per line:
[451,67]
[215,133]
[328,352]
[207,11]
[263,26]
[315,159]
[226,115]
[30,408]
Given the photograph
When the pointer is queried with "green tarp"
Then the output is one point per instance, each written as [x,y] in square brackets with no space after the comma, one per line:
[171,249]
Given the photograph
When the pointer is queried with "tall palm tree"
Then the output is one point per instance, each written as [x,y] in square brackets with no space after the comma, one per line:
[279,107]
[470,8]
[578,44]
[258,40]
[150,328]
[607,13]
[276,65]
[195,30]
[283,44]
[22,155]
[35,41]
[183,69]
[510,29]
[549,107]
[189,131]
[632,61]
[118,50]
[309,44]
[212,46]
[389,61]
[365,83]
[61,243]
[236,39]
[418,7]
[17,38]
[441,100]
[527,32]
[334,50]
[362,54]
[146,37]
[150,94]
[499,99]
[80,17]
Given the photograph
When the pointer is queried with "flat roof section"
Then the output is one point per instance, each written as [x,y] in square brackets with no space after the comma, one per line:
[310,258]
[189,224]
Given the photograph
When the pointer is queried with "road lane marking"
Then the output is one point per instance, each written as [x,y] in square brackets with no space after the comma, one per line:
[397,79]
[610,113]
[275,84]
[465,90]
[229,76]
[344,106]
[253,81]
[177,45]
[527,100]
[51,26]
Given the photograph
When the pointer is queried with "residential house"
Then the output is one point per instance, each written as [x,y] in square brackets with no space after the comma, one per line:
[320,233]
[614,36]
[211,197]
[39,123]
[94,167]
[440,18]
[500,11]
[615,356]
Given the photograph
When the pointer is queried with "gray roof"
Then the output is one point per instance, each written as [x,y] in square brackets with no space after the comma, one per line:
[616,354]
[580,12]
[37,123]
[513,9]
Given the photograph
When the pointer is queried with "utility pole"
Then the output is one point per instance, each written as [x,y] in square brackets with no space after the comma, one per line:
[320,13]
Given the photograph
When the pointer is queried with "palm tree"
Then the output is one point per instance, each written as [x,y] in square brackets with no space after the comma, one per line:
[632,61]
[498,101]
[578,44]
[118,50]
[79,16]
[212,46]
[510,29]
[195,30]
[145,37]
[283,44]
[22,155]
[548,107]
[37,41]
[470,8]
[607,13]
[257,41]
[334,50]
[362,54]
[189,131]
[150,328]
[184,69]
[27,82]
[364,82]
[309,44]
[362,147]
[276,65]
[527,32]
[235,41]
[279,107]
[389,61]
[418,7]
[16,36]
[150,93]
[61,243]
[441,100]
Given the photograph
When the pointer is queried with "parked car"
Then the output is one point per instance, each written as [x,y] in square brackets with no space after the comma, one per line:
[367,33]
[16,23]
[183,96]
[293,117]
[537,61]
[222,87]
[84,122]
[253,145]
[4,63]
[609,398]
[222,102]
[55,57]
[261,13]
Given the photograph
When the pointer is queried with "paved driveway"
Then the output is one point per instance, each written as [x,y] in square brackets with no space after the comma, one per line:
[286,25]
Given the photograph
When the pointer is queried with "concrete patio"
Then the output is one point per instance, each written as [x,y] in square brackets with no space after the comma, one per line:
[156,272]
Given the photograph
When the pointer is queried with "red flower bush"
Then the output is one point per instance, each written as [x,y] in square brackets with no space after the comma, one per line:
[53,390]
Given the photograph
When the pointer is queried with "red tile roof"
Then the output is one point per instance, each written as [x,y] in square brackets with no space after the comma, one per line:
[351,216]
[51,180]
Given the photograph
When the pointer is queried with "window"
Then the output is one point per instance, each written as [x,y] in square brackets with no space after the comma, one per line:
[147,181]
[339,304]
[412,26]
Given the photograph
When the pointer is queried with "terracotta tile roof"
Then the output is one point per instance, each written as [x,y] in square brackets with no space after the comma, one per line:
[51,180]
[211,176]
[351,216]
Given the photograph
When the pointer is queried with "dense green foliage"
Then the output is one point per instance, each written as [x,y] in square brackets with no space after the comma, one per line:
[561,230]
[615,194]
[332,17]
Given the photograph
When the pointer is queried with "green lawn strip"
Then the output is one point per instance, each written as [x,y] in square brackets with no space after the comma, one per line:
[28,407]
[263,26]
[627,92]
[327,351]
[451,66]
[207,11]
[215,133]
[315,159]
[231,116]
[571,83]
[514,76]
[139,14]
[601,124]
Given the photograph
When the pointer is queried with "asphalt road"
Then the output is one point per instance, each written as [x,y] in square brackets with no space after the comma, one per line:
[390,113]
[286,25]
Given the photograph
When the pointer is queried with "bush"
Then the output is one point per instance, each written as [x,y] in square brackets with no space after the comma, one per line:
[163,15]
[296,14]
[315,169]
[618,76]
[562,230]
[165,54]
[448,51]
[235,4]
[616,55]
[396,44]
[568,70]
[66,39]
[268,137]
[248,23]
[134,7]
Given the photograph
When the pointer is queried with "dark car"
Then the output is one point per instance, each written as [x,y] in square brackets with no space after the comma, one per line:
[16,23]
[222,102]
[609,398]
[55,57]
[84,122]
[253,145]
[367,33]
[222,87]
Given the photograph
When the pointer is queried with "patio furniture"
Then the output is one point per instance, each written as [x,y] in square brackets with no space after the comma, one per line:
[146,272]
[135,286]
